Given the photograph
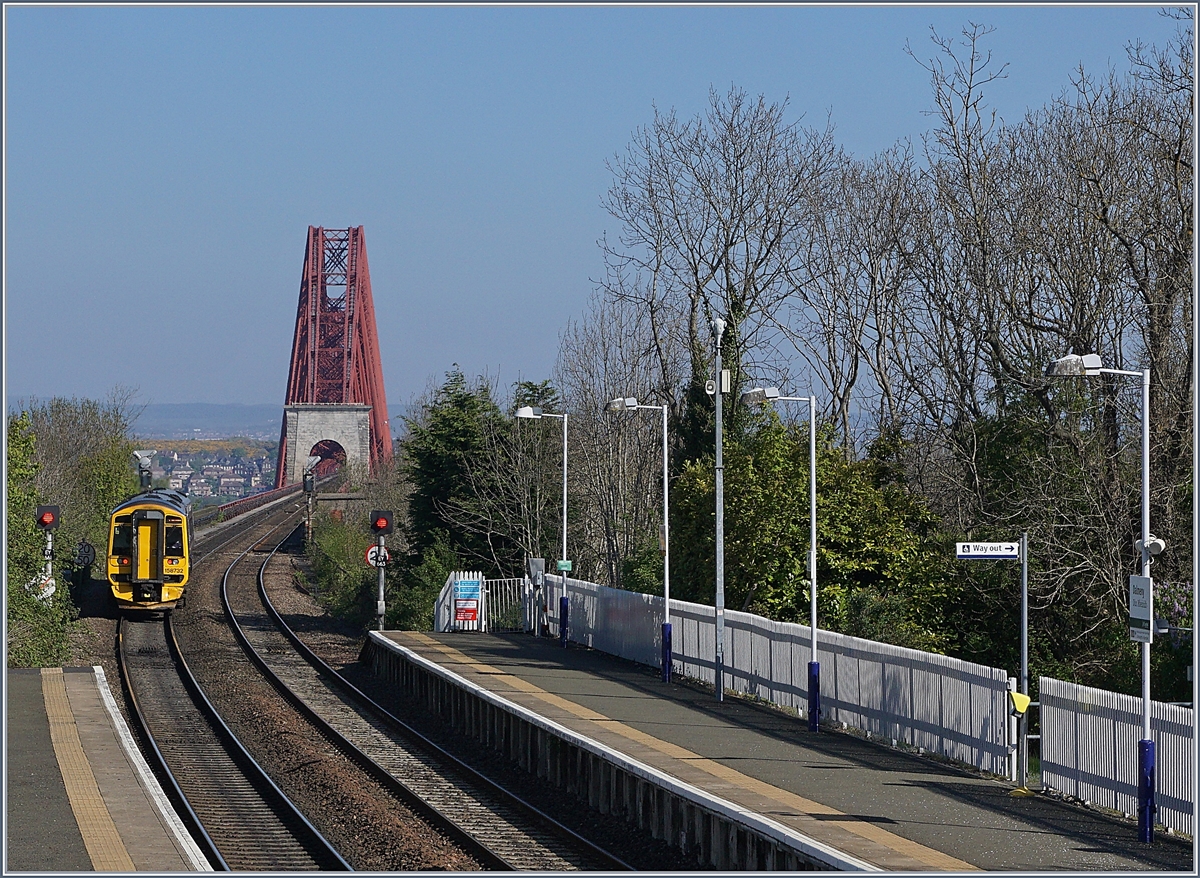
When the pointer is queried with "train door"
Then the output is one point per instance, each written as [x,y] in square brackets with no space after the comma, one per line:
[147,573]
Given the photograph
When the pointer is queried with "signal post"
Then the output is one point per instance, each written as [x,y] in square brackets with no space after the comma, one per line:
[47,519]
[377,555]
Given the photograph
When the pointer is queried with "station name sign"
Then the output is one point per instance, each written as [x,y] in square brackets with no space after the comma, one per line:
[988,551]
[1141,609]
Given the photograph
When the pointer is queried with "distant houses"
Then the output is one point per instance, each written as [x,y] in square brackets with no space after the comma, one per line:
[219,479]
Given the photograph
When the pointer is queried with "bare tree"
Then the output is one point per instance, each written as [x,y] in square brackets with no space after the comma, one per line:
[615,471]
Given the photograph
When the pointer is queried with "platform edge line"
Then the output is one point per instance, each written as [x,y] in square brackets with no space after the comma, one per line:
[808,845]
[158,798]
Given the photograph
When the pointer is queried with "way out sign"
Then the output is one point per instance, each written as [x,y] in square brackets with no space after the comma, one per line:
[1141,609]
[988,551]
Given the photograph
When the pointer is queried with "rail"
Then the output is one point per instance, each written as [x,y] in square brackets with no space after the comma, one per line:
[502,846]
[222,785]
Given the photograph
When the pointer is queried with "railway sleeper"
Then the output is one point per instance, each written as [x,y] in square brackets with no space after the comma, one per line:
[701,826]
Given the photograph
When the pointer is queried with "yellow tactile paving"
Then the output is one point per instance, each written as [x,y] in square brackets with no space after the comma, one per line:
[100,835]
[786,801]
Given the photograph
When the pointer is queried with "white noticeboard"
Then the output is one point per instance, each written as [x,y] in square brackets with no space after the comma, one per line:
[988,551]
[1141,609]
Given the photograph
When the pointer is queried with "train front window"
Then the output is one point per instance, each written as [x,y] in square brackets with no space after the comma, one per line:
[174,542]
[122,539]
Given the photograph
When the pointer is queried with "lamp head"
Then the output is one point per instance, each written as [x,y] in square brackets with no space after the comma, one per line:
[528,411]
[1084,365]
[620,404]
[759,395]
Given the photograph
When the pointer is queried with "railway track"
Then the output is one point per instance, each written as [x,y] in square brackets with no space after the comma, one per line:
[239,817]
[495,826]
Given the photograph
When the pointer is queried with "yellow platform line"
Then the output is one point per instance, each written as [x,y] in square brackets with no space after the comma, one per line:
[100,836]
[790,801]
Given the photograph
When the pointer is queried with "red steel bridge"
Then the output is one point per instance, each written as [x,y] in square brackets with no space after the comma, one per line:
[335,408]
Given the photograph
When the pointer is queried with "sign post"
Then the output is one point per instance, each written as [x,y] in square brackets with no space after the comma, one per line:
[537,575]
[1000,552]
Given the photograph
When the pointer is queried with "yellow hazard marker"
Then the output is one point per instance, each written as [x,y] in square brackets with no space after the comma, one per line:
[1020,704]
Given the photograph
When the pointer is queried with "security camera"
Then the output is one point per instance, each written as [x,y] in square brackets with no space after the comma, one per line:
[1154,544]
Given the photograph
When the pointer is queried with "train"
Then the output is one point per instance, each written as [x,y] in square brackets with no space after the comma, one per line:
[149,550]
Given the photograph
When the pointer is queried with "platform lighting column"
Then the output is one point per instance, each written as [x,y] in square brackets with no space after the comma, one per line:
[630,403]
[1090,365]
[758,396]
[535,413]
[718,330]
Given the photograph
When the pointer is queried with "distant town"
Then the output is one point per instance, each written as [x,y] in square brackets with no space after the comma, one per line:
[214,471]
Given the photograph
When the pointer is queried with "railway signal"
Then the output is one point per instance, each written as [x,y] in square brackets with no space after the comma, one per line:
[46,517]
[381,522]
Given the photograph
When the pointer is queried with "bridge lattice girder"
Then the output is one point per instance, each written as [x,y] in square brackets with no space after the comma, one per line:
[335,348]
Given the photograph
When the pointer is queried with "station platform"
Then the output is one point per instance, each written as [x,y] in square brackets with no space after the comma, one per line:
[853,804]
[80,797]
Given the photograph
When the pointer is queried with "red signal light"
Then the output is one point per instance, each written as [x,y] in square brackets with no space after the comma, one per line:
[381,522]
[47,517]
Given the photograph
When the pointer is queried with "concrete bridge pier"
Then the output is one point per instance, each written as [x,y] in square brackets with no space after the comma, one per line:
[330,426]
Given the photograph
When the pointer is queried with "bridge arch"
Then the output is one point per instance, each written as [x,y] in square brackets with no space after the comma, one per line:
[339,434]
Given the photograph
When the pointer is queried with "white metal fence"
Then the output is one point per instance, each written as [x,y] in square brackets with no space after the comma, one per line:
[955,708]
[499,604]
[1089,750]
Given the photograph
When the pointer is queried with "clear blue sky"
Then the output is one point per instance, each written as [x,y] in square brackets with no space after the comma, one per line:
[162,164]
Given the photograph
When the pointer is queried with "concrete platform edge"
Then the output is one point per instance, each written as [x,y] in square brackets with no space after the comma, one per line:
[734,813]
[158,798]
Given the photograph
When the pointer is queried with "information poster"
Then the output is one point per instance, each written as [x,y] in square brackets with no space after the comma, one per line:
[466,600]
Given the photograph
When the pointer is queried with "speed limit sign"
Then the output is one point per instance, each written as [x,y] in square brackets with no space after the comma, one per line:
[377,556]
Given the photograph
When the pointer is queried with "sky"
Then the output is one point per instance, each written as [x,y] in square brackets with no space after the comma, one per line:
[162,164]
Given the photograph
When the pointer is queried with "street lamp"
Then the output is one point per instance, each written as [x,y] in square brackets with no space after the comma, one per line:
[630,403]
[1141,587]
[718,330]
[758,396]
[526,411]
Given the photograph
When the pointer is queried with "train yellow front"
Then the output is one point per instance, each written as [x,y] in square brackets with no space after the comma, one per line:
[149,545]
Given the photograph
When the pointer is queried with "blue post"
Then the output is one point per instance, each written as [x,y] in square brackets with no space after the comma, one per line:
[562,620]
[814,696]
[1146,805]
[666,652]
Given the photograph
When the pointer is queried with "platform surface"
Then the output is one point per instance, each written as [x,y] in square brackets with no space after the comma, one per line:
[898,811]
[80,797]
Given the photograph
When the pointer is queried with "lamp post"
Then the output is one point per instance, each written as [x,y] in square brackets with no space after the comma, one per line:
[758,396]
[1090,365]
[526,411]
[718,330]
[630,403]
